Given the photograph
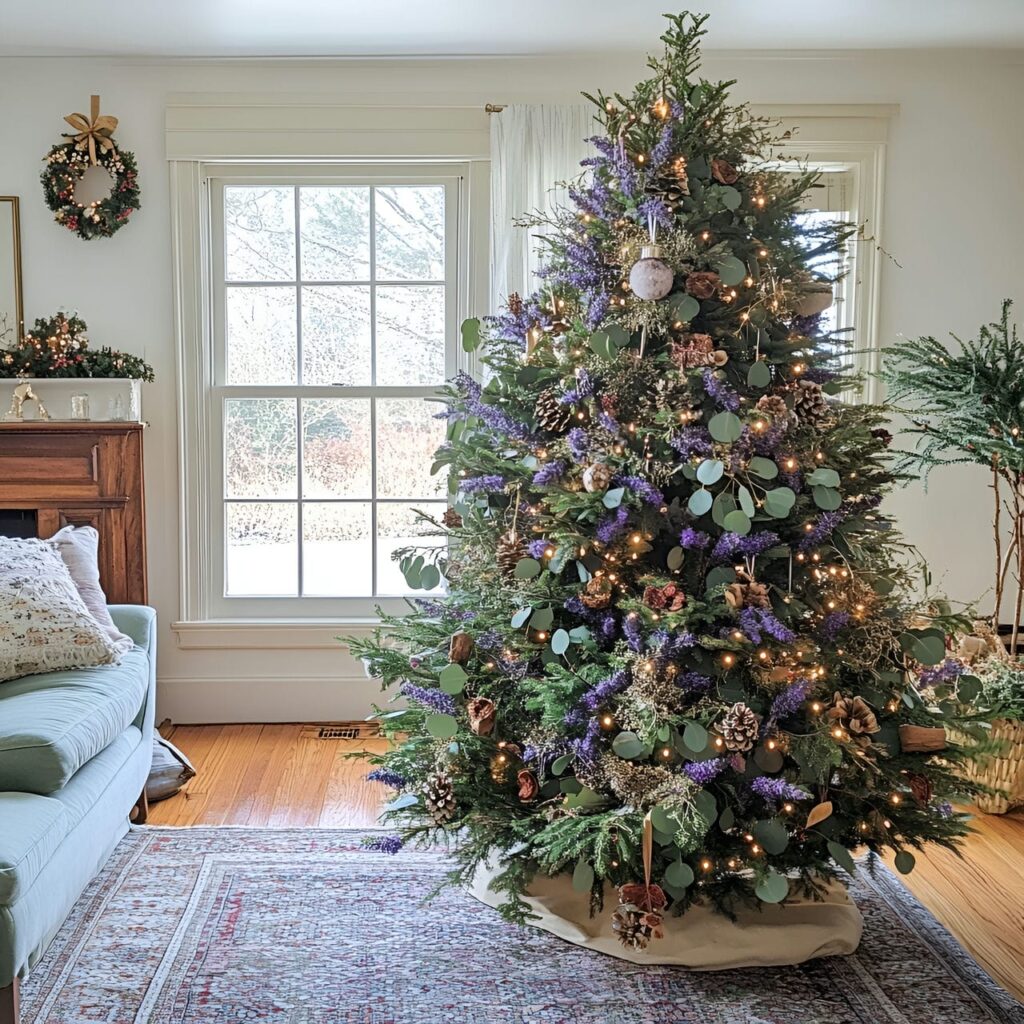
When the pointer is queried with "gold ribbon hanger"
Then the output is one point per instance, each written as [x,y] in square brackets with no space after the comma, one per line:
[92,131]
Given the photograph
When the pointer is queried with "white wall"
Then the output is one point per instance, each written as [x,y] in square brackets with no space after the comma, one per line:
[953,225]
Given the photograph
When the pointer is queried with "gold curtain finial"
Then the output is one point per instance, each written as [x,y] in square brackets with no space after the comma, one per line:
[92,131]
[494,108]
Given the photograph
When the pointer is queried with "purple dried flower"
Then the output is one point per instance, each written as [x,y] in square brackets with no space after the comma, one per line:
[584,389]
[655,208]
[777,790]
[646,492]
[579,443]
[598,696]
[755,621]
[387,777]
[612,526]
[550,472]
[660,152]
[488,482]
[694,540]
[436,700]
[691,441]
[823,528]
[788,702]
[537,547]
[833,624]
[632,631]
[750,545]
[944,809]
[693,682]
[703,772]
[608,422]
[720,392]
[383,844]
[949,670]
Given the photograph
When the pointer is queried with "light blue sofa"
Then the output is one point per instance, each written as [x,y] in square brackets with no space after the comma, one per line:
[75,751]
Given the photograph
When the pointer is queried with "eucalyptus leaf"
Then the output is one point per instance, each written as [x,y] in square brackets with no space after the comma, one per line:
[679,874]
[520,618]
[904,862]
[827,498]
[560,764]
[684,307]
[695,736]
[618,336]
[441,727]
[707,806]
[674,559]
[470,334]
[700,502]
[526,568]
[737,522]
[403,801]
[582,876]
[841,855]
[773,888]
[746,500]
[725,427]
[779,502]
[771,834]
[542,618]
[453,679]
[710,471]
[560,641]
[763,468]
[430,577]
[730,269]
[731,199]
[824,477]
[759,375]
[613,498]
[628,745]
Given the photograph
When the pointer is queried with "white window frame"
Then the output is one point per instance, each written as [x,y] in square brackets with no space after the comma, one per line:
[848,139]
[452,179]
[218,133]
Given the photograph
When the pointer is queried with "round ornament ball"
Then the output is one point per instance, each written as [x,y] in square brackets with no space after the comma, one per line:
[651,277]
[818,297]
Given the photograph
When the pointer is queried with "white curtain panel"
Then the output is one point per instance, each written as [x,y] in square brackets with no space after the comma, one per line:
[533,147]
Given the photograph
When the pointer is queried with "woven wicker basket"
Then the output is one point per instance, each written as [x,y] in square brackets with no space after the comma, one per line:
[1004,771]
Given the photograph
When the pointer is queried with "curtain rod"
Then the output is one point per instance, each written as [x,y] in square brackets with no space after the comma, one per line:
[494,108]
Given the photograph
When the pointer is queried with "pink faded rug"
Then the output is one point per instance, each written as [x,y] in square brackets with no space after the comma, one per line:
[224,926]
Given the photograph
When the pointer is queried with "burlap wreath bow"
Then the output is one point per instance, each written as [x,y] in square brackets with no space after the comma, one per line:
[92,131]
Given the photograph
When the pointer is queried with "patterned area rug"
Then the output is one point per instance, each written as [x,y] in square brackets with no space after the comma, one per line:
[211,926]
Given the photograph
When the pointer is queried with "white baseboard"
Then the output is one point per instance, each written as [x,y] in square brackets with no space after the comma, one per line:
[194,701]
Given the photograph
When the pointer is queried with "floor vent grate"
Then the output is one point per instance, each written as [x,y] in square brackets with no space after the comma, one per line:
[343,731]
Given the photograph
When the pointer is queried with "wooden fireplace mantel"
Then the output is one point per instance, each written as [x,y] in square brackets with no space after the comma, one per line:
[83,473]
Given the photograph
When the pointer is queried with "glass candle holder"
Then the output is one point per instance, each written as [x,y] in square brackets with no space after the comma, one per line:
[80,406]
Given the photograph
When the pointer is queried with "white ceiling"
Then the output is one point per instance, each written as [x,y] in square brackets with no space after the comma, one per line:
[221,28]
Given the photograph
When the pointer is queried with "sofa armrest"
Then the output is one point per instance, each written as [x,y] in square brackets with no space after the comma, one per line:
[138,621]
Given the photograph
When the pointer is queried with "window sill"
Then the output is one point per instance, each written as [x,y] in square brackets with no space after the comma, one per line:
[276,635]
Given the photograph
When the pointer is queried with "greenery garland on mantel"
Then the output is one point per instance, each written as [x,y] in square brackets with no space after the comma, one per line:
[58,347]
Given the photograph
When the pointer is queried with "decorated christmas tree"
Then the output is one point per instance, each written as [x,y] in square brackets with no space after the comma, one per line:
[673,605]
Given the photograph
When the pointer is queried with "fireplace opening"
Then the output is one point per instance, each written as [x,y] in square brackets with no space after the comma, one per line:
[18,522]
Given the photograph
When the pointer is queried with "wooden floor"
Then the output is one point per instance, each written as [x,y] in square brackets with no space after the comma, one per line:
[284,775]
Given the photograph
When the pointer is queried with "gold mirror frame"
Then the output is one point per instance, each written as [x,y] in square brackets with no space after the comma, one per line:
[19,309]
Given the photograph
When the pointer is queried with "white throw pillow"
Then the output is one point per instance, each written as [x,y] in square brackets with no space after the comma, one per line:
[79,547]
[44,623]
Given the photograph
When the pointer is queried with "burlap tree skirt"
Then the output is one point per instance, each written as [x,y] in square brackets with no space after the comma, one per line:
[701,939]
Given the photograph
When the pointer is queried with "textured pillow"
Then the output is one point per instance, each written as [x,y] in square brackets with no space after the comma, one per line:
[44,623]
[79,547]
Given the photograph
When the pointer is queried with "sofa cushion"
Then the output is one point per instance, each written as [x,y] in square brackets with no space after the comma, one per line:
[79,547]
[33,828]
[44,623]
[51,724]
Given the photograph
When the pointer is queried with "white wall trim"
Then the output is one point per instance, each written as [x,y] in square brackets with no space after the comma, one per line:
[255,635]
[283,698]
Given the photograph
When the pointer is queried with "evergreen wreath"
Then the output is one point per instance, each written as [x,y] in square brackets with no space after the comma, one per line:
[57,347]
[91,145]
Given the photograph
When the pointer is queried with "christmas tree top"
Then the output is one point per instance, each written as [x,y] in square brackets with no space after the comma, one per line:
[674,605]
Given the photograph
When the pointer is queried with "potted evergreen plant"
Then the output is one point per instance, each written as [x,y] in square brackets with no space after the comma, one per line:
[966,405]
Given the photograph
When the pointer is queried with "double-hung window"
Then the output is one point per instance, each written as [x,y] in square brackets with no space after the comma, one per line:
[334,305]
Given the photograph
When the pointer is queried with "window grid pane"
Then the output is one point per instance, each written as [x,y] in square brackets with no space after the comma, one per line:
[327,541]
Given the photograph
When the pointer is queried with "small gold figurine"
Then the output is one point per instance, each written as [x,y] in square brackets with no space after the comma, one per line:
[23,393]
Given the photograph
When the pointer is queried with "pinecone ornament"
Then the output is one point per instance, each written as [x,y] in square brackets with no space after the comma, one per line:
[551,414]
[775,408]
[854,716]
[451,519]
[597,477]
[514,304]
[809,404]
[638,917]
[439,799]
[511,547]
[597,594]
[739,728]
